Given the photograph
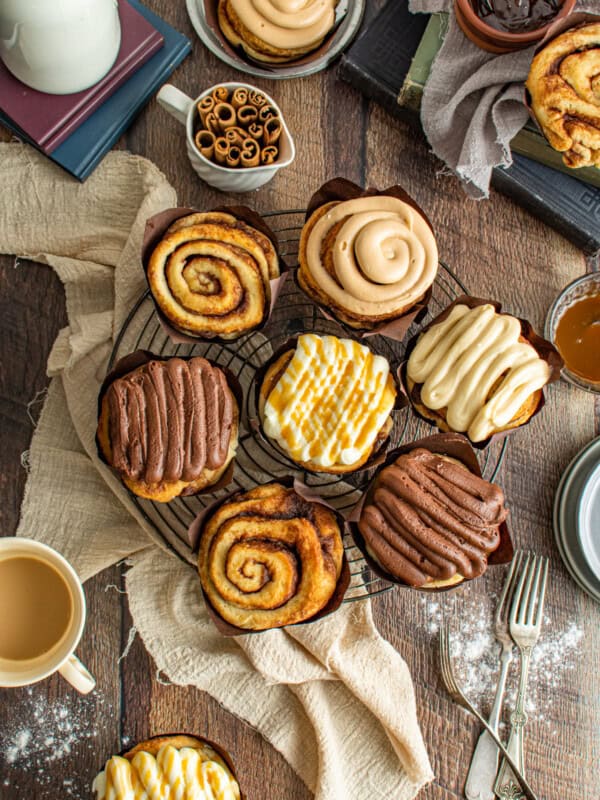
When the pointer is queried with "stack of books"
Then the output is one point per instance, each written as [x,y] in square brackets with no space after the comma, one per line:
[391,61]
[77,130]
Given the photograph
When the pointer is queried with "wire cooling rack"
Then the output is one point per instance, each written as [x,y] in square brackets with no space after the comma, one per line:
[257,461]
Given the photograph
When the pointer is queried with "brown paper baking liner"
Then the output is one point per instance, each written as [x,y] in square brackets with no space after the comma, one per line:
[156,227]
[240,55]
[576,19]
[255,422]
[339,190]
[131,362]
[544,349]
[456,446]
[195,534]
[220,751]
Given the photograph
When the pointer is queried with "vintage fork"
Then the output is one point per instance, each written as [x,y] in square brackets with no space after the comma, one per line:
[525,622]
[459,696]
[485,760]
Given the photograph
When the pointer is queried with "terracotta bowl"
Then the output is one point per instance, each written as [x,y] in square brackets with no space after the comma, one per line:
[494,41]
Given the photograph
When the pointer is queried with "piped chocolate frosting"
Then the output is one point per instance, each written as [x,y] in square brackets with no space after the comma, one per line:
[429,518]
[170,420]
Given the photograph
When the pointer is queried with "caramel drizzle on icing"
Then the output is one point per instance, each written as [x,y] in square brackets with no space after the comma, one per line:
[331,401]
[384,255]
[173,775]
[460,361]
[286,24]
[170,420]
[431,518]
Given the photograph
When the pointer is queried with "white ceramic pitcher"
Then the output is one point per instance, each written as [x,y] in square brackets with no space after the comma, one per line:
[61,46]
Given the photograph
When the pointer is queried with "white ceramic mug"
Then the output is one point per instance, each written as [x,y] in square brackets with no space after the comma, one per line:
[183,108]
[59,47]
[61,657]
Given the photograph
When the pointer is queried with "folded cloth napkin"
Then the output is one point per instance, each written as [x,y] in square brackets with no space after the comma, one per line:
[314,691]
[473,101]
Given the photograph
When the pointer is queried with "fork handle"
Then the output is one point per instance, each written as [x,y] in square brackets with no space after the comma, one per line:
[507,786]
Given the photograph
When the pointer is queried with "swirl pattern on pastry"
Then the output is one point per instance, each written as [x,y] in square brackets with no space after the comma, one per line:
[330,402]
[476,365]
[564,84]
[173,773]
[370,258]
[430,519]
[270,558]
[210,275]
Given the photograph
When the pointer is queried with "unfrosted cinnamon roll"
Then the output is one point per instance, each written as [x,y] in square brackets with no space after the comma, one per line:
[270,558]
[564,84]
[169,427]
[210,273]
[168,767]
[276,31]
[368,260]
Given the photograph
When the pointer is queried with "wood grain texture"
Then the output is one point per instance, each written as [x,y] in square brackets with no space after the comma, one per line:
[497,250]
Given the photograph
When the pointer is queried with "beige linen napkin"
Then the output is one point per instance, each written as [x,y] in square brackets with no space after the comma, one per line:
[334,697]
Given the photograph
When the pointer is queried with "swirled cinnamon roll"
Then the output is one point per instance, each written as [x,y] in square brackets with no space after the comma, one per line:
[210,274]
[368,260]
[429,521]
[169,428]
[270,558]
[167,767]
[276,31]
[564,84]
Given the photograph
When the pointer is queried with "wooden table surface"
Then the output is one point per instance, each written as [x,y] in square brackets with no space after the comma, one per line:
[498,250]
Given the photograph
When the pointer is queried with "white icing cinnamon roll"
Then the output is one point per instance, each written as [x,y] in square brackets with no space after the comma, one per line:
[369,259]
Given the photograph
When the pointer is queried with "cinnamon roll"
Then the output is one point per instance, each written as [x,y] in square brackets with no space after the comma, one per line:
[270,558]
[367,260]
[276,31]
[327,403]
[473,371]
[564,85]
[428,521]
[169,428]
[168,767]
[210,273]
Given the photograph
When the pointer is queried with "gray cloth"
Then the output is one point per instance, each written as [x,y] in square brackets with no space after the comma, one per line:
[473,102]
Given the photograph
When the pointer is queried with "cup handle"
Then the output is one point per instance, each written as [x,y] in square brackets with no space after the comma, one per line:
[175,102]
[77,675]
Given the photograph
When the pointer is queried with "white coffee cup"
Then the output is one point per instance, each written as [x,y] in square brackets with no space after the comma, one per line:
[59,47]
[61,656]
[183,108]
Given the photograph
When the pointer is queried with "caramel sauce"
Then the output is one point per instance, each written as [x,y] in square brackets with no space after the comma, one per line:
[578,338]
[516,16]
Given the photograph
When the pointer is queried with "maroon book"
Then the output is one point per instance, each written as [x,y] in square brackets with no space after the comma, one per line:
[50,118]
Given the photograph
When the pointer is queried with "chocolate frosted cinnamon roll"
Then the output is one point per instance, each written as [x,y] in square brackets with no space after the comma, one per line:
[169,427]
[564,84]
[368,260]
[276,31]
[429,521]
[210,273]
[270,558]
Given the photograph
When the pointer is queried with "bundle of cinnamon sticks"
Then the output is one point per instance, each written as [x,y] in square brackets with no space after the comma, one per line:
[238,128]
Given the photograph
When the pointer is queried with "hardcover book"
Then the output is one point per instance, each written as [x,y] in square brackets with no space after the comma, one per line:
[388,62]
[82,151]
[48,119]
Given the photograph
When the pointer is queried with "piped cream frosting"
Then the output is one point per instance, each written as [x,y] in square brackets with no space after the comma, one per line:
[287,24]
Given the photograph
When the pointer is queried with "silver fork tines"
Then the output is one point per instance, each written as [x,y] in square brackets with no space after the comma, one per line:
[525,622]
[459,696]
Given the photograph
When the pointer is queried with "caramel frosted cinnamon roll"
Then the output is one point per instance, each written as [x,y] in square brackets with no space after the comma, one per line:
[169,427]
[270,558]
[210,274]
[276,31]
[564,84]
[429,521]
[369,259]
[474,372]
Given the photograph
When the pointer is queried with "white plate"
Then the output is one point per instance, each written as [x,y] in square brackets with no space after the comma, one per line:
[565,517]
[588,520]
[348,16]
